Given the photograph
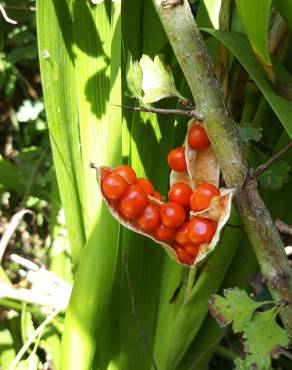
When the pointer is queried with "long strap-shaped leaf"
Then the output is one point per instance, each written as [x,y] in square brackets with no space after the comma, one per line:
[80,49]
[59,85]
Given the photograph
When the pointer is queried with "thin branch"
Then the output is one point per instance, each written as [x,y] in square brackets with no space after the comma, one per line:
[5,16]
[263,167]
[179,112]
[282,227]
[21,8]
[135,314]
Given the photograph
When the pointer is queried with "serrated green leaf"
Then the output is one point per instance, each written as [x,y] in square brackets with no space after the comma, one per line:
[134,78]
[158,82]
[263,336]
[236,307]
[249,132]
[241,364]
[275,176]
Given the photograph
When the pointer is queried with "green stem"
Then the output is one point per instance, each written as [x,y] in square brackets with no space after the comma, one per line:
[190,282]
[225,352]
[195,62]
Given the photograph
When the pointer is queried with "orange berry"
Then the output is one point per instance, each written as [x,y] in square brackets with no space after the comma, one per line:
[172,215]
[149,218]
[180,193]
[181,235]
[183,255]
[200,230]
[163,234]
[127,172]
[176,159]
[146,186]
[133,202]
[114,186]
[202,196]
[197,137]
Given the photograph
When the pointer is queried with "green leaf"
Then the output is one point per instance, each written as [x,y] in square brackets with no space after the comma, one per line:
[263,337]
[275,176]
[158,82]
[236,307]
[249,132]
[134,78]
[255,16]
[238,44]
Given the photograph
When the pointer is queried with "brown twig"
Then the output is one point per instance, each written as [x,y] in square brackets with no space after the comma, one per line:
[22,8]
[283,228]
[136,316]
[178,112]
[263,167]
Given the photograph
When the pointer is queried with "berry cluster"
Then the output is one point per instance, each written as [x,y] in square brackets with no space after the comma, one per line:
[137,202]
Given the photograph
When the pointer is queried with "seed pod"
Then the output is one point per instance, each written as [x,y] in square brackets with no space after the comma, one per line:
[202,167]
[102,171]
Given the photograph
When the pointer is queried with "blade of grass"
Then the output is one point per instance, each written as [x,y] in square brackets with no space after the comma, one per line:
[95,275]
[55,43]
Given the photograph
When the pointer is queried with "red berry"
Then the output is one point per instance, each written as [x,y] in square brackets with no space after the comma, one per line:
[114,186]
[146,186]
[149,218]
[198,138]
[200,230]
[127,172]
[172,215]
[133,202]
[181,235]
[180,193]
[192,249]
[183,255]
[176,159]
[157,195]
[202,196]
[163,234]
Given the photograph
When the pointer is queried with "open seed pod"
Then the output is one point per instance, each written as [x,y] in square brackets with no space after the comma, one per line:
[203,167]
[102,171]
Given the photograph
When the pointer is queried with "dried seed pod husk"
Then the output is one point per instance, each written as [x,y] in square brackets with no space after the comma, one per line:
[102,171]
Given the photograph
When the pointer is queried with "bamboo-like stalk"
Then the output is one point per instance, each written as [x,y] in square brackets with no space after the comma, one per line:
[197,67]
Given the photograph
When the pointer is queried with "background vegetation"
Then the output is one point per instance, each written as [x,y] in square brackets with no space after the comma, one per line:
[126,309]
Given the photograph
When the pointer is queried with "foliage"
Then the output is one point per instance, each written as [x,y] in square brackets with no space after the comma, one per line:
[238,308]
